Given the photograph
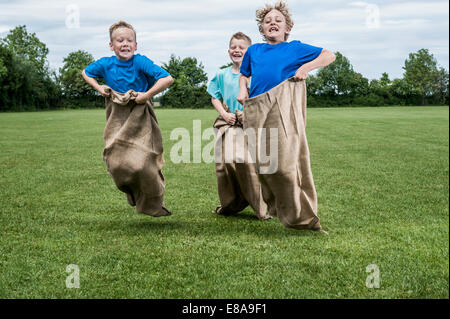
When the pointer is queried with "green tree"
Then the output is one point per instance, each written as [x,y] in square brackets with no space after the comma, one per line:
[21,86]
[314,85]
[360,85]
[27,81]
[188,66]
[379,91]
[72,83]
[3,68]
[7,81]
[338,78]
[400,90]
[28,46]
[182,94]
[189,87]
[421,73]
[384,80]
[440,88]
[338,84]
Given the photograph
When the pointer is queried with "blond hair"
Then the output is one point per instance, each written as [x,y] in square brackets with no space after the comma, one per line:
[241,36]
[120,24]
[280,6]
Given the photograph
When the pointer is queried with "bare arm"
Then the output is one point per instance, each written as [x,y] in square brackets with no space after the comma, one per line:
[93,82]
[159,86]
[243,91]
[325,58]
[228,117]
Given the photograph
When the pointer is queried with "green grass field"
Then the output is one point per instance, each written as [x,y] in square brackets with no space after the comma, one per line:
[382,177]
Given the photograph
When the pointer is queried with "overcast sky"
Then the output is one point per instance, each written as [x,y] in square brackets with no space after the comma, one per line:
[376,35]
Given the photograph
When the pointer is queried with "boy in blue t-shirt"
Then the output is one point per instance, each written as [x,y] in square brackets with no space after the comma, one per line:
[278,104]
[268,64]
[126,70]
[237,180]
[133,142]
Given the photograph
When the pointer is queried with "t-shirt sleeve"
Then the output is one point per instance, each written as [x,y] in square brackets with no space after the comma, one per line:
[307,52]
[152,70]
[246,69]
[214,87]
[96,69]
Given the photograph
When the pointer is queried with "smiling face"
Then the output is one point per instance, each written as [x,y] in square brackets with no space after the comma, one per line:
[237,49]
[123,43]
[274,27]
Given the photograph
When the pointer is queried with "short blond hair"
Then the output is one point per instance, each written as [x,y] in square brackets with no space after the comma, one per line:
[280,6]
[241,36]
[120,24]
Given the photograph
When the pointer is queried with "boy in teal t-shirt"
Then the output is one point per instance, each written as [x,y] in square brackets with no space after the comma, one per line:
[225,84]
[237,180]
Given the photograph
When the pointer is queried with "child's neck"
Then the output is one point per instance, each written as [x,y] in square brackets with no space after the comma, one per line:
[236,67]
[124,60]
[276,40]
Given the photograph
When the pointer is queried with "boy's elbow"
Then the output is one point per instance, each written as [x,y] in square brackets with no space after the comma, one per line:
[243,79]
[326,57]
[169,80]
[331,56]
[85,76]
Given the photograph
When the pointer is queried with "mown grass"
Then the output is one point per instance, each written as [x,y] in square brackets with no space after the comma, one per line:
[382,177]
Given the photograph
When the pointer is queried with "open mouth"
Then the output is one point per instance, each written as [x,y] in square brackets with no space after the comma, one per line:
[273,29]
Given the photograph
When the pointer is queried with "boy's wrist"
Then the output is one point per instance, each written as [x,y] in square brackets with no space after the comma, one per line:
[148,95]
[304,68]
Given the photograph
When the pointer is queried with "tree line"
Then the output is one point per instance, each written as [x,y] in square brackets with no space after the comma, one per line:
[28,83]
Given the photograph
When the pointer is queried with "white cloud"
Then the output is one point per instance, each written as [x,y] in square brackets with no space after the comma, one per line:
[202,28]
[4,28]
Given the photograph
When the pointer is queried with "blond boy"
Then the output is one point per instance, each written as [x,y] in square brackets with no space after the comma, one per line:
[277,100]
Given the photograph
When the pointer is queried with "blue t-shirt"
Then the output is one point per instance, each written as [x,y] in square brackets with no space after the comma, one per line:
[271,64]
[225,85]
[138,73]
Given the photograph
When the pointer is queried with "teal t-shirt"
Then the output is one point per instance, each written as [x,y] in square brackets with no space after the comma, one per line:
[225,86]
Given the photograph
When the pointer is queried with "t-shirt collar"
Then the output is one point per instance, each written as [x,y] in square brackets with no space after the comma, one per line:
[123,63]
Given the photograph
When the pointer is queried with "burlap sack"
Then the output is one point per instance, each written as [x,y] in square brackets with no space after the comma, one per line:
[134,152]
[237,181]
[289,191]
